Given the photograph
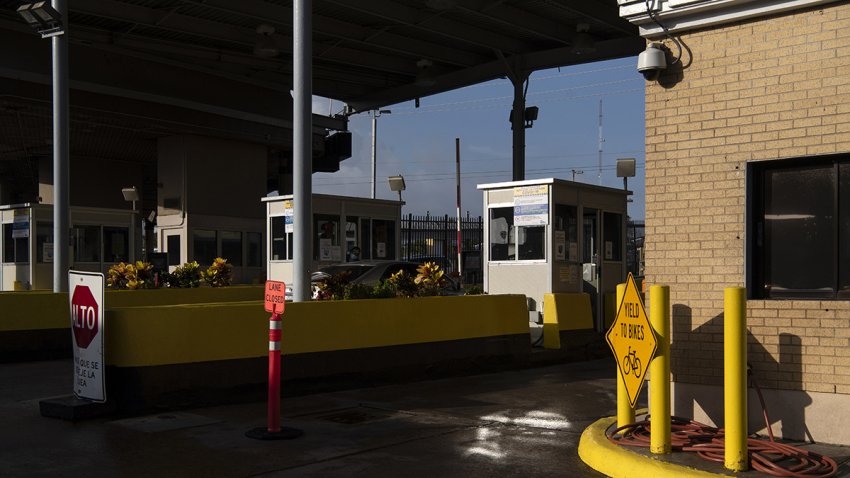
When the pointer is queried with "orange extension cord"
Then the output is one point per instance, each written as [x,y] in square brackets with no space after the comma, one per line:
[766,456]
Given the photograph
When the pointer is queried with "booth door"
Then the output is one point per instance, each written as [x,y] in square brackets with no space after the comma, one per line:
[590,265]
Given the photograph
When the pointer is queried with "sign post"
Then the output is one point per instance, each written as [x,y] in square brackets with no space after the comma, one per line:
[88,329]
[275,294]
[632,340]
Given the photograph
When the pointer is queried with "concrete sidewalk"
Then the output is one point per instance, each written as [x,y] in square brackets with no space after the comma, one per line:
[520,423]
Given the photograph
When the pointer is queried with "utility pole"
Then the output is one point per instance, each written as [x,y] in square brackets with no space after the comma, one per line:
[601,140]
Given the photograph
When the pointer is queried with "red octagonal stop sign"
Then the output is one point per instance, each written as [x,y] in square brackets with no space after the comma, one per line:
[84,316]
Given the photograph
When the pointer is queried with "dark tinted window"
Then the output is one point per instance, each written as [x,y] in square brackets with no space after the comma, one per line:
[173,245]
[800,229]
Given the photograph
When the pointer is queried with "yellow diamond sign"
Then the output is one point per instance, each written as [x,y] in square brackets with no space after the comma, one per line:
[632,340]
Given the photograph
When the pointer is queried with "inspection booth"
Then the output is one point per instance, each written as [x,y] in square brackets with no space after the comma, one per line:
[555,236]
[343,229]
[99,238]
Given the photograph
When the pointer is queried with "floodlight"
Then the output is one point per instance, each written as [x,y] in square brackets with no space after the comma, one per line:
[42,17]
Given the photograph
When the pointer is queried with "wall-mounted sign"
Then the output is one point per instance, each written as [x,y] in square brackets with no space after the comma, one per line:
[531,205]
[287,217]
[21,227]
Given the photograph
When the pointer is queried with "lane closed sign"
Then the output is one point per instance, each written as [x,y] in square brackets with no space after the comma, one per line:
[87,329]
[275,296]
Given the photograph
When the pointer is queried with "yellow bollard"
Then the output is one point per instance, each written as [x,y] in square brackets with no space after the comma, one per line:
[625,412]
[735,377]
[659,385]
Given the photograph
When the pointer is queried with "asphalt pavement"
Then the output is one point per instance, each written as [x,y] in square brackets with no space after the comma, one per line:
[523,423]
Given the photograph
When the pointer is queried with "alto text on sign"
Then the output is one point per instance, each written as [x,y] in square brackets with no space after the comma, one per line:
[88,329]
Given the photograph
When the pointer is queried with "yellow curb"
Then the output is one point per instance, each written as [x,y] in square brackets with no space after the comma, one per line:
[618,462]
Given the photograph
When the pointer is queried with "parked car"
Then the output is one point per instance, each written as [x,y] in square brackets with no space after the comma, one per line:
[368,273]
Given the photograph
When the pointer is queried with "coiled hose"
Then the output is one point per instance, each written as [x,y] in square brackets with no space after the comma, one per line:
[766,456]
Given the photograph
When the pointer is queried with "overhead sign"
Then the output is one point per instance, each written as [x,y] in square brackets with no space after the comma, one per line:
[275,296]
[632,340]
[87,328]
[531,205]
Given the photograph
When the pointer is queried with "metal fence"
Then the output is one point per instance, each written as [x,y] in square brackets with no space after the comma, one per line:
[434,238]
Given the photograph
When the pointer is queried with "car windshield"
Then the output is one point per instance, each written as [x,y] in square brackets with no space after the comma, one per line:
[355,270]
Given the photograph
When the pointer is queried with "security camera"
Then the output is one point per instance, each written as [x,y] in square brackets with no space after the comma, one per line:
[652,61]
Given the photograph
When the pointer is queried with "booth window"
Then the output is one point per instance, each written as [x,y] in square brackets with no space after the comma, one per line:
[352,247]
[204,246]
[86,240]
[566,233]
[116,244]
[255,249]
[799,229]
[173,249]
[231,247]
[383,239]
[506,239]
[44,242]
[612,233]
[281,240]
[326,238]
[15,249]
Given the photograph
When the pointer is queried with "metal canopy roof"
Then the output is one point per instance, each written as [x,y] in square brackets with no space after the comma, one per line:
[365,52]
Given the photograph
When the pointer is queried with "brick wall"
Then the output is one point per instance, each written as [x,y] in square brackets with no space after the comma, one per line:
[778,87]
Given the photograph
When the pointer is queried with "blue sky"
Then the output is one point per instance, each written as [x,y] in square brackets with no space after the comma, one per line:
[420,143]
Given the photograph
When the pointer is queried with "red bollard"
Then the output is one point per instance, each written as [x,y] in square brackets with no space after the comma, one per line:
[274,372]
[273,431]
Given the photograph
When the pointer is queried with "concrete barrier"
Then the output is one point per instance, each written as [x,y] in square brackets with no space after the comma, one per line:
[34,324]
[182,354]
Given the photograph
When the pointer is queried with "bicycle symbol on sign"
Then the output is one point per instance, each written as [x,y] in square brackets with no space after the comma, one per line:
[631,363]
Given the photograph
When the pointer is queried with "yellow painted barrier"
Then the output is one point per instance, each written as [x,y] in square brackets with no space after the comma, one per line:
[620,462]
[659,385]
[146,336]
[735,377]
[564,311]
[625,412]
[39,310]
[34,310]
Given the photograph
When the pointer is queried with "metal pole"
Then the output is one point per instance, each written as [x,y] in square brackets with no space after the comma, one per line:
[518,126]
[625,412]
[659,369]
[457,170]
[61,183]
[601,140]
[375,150]
[735,377]
[302,153]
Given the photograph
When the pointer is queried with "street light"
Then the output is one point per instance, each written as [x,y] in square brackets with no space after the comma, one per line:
[626,170]
[576,171]
[43,18]
[375,115]
[397,184]
[131,194]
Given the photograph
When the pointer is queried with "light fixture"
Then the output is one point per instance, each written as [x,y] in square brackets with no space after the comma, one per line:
[626,170]
[43,18]
[529,116]
[424,75]
[397,184]
[265,46]
[583,43]
[131,194]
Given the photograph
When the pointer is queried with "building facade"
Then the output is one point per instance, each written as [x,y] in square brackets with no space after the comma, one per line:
[748,184]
